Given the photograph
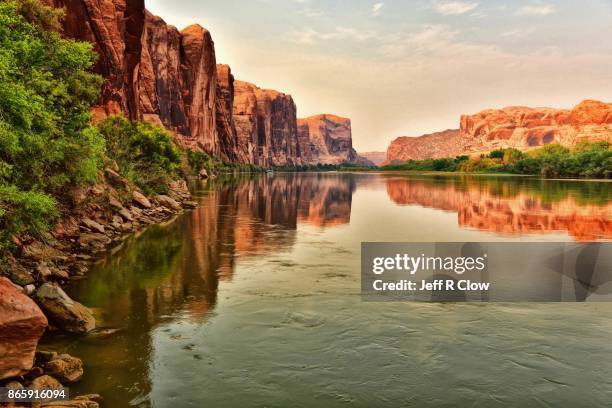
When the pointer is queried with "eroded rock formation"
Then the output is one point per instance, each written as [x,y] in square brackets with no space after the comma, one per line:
[266,126]
[226,128]
[154,72]
[177,82]
[327,139]
[432,146]
[115,29]
[523,128]
[517,126]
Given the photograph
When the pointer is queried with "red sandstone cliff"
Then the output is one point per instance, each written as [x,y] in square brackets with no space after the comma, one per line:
[266,126]
[177,82]
[226,129]
[327,139]
[518,127]
[115,29]
[522,127]
[433,146]
[156,73]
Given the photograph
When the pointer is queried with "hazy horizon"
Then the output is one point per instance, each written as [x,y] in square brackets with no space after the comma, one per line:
[399,68]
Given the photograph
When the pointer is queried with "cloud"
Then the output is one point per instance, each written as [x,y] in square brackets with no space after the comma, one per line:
[376,8]
[453,8]
[519,33]
[311,13]
[536,10]
[312,36]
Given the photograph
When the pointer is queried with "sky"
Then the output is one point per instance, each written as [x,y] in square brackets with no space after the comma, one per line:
[410,67]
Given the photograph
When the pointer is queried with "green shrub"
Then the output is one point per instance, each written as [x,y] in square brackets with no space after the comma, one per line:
[46,142]
[199,161]
[145,153]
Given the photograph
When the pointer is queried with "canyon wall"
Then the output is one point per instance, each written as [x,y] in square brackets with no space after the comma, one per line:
[177,82]
[432,146]
[157,73]
[327,139]
[517,127]
[115,29]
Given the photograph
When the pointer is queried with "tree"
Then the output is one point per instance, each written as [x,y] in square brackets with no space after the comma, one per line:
[46,141]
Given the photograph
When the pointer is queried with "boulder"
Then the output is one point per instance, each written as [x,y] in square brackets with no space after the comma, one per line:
[17,273]
[92,225]
[140,199]
[115,178]
[21,325]
[65,368]
[94,242]
[126,215]
[203,174]
[66,313]
[168,202]
[45,382]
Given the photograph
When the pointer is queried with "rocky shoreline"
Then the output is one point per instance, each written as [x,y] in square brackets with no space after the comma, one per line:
[99,220]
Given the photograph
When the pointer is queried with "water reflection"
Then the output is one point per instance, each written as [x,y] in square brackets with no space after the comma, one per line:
[514,206]
[172,275]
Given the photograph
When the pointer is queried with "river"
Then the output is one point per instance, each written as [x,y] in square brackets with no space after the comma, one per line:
[253,300]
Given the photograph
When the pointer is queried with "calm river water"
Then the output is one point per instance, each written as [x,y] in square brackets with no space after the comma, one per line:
[253,300]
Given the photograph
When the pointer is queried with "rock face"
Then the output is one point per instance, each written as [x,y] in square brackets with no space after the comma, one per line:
[524,128]
[177,82]
[327,139]
[21,325]
[154,72]
[226,129]
[115,29]
[245,122]
[517,127]
[432,146]
[266,126]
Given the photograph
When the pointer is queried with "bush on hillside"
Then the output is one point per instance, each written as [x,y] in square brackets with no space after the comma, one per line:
[145,153]
[46,141]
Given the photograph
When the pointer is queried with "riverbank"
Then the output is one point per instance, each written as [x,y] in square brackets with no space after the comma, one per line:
[104,215]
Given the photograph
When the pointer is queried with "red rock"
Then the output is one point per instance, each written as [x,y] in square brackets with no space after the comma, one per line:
[266,126]
[435,145]
[199,75]
[115,29]
[244,113]
[177,82]
[327,139]
[21,325]
[141,200]
[524,128]
[516,126]
[226,129]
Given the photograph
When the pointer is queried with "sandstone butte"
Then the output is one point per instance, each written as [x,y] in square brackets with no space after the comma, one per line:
[157,73]
[518,127]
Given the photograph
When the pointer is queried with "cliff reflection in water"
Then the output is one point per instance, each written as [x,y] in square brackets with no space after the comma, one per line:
[514,206]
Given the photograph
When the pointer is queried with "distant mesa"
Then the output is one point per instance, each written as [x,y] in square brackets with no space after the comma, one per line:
[517,127]
[375,157]
[157,73]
